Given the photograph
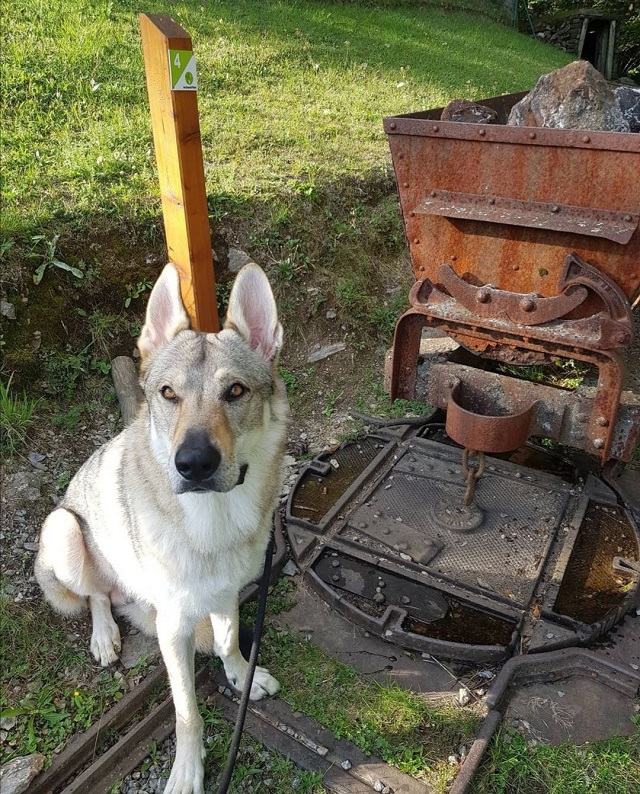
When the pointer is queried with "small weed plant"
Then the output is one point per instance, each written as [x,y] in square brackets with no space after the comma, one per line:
[17,414]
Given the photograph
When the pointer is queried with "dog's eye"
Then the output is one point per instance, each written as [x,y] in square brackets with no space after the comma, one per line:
[235,390]
[168,393]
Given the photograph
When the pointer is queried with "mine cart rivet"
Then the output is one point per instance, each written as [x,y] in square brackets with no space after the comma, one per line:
[621,338]
[453,257]
[532,135]
[627,218]
[528,305]
[598,443]
[421,268]
[415,241]
[602,421]
[482,133]
[492,201]
[392,126]
[412,213]
[406,184]
[516,267]
[335,577]
[362,525]
[586,139]
[433,194]
[483,296]
[435,128]
[555,208]
[405,600]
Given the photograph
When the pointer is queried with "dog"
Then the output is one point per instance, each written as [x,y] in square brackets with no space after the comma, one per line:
[169,520]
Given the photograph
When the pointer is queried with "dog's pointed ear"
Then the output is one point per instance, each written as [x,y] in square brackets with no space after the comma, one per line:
[252,311]
[166,315]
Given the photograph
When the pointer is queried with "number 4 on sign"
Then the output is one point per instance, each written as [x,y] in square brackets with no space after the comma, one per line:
[182,66]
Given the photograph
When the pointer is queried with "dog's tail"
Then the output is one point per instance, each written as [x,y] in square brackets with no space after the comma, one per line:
[56,556]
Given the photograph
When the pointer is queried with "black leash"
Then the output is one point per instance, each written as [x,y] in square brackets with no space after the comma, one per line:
[253,661]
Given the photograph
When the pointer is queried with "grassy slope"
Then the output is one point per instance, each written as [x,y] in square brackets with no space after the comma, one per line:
[291,93]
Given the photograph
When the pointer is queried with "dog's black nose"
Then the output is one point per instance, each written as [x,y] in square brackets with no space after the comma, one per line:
[197,459]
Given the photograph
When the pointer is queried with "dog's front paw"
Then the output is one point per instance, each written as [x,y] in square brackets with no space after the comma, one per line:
[263,685]
[105,642]
[187,774]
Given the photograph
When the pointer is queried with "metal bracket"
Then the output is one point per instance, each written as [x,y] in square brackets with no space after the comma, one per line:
[608,224]
[487,301]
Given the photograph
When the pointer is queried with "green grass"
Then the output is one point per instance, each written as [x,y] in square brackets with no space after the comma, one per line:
[50,689]
[605,767]
[17,413]
[291,98]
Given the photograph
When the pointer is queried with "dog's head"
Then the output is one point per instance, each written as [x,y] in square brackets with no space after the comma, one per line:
[212,397]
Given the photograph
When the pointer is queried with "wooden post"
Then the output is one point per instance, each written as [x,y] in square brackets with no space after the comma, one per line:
[176,135]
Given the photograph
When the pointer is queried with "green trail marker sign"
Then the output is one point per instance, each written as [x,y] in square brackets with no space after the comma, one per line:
[182,67]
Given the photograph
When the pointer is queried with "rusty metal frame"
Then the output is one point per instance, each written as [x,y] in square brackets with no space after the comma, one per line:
[598,426]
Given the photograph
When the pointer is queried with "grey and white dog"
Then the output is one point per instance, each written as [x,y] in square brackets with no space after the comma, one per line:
[169,520]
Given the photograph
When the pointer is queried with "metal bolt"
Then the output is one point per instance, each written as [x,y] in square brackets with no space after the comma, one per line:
[392,126]
[406,184]
[421,268]
[532,135]
[412,214]
[453,257]
[516,267]
[555,208]
[415,241]
[586,139]
[527,305]
[483,296]
[435,128]
[482,133]
[598,443]
[335,577]
[602,421]
[433,194]
[451,384]
[492,201]
[628,218]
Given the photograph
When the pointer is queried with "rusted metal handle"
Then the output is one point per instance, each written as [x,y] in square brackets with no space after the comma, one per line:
[608,224]
[471,473]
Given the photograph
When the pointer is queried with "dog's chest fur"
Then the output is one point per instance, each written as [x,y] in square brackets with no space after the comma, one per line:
[177,552]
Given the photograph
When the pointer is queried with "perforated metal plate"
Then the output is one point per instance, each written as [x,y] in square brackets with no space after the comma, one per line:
[368,524]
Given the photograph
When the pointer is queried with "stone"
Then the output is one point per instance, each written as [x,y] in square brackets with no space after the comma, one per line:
[628,99]
[137,647]
[290,568]
[7,310]
[17,774]
[468,112]
[576,97]
[325,352]
[24,485]
[237,259]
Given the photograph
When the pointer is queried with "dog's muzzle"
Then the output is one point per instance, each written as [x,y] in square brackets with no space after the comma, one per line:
[197,461]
